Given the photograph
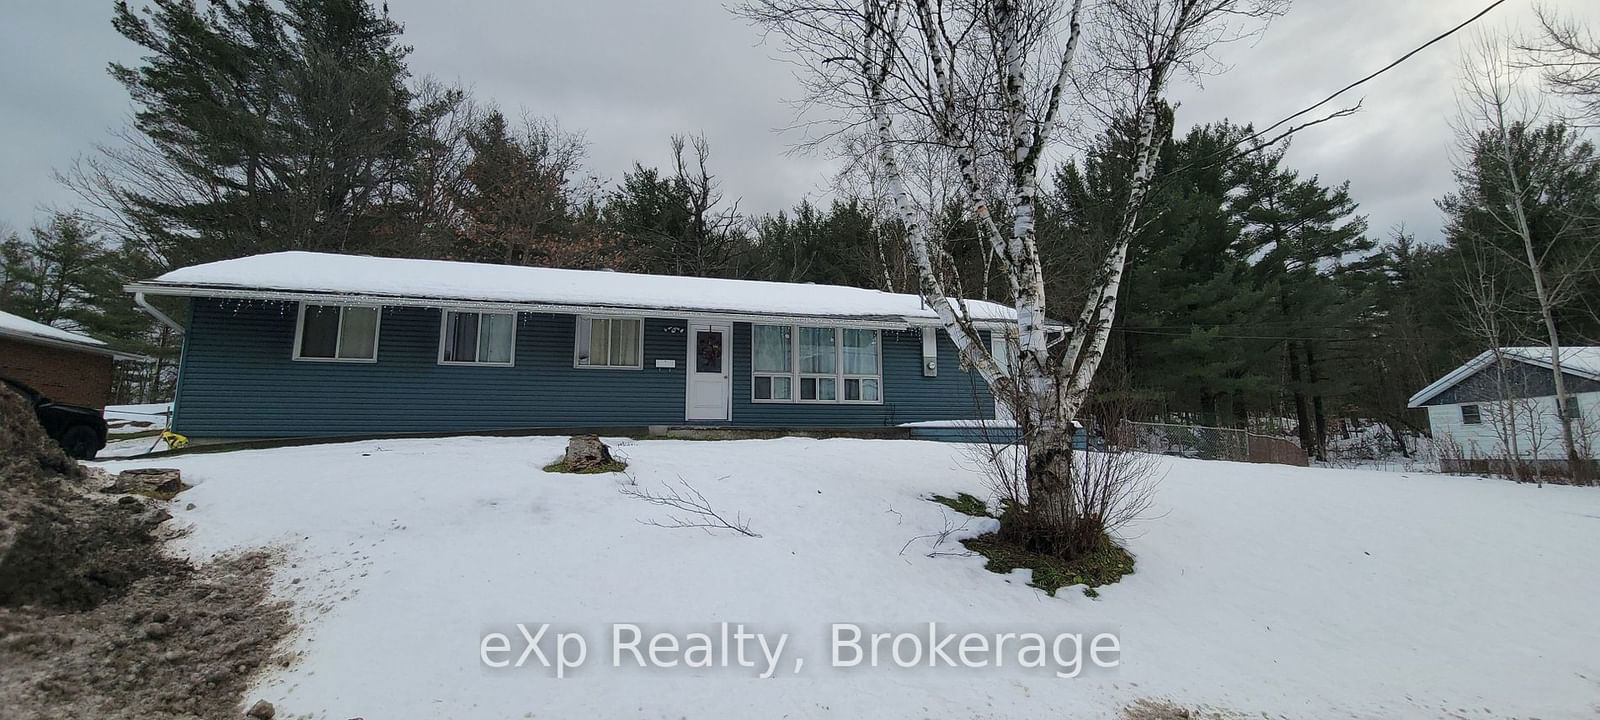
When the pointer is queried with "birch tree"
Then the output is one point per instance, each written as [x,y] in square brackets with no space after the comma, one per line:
[1534,184]
[989,83]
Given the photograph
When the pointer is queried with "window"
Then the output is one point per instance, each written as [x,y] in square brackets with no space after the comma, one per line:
[819,358]
[771,358]
[609,343]
[1470,415]
[473,338]
[336,333]
[815,364]
[861,373]
[1574,412]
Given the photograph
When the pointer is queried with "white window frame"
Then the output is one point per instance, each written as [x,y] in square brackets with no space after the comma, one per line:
[838,375]
[801,377]
[444,324]
[581,329]
[791,375]
[845,376]
[300,327]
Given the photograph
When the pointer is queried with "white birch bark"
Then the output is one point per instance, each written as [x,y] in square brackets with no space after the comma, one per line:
[971,77]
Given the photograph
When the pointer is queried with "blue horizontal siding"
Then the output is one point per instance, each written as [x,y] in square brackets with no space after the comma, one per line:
[238,379]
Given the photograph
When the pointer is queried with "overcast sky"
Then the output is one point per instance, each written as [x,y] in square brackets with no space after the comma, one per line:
[630,74]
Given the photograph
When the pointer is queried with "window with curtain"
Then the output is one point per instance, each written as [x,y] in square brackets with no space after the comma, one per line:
[815,364]
[861,374]
[771,361]
[819,360]
[337,333]
[610,343]
[473,338]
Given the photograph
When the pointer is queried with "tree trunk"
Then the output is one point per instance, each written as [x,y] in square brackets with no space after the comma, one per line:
[1302,410]
[1577,466]
[1050,523]
[1319,414]
[1399,439]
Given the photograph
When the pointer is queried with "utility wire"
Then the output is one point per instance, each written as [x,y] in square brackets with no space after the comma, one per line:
[1136,331]
[1231,151]
[1437,39]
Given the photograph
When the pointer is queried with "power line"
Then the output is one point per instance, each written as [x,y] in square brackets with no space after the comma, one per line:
[1437,39]
[1227,154]
[1137,331]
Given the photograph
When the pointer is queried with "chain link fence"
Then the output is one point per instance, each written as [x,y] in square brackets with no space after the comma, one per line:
[1210,443]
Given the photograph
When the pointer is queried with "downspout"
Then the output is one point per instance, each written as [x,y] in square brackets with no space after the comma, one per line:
[183,338]
[138,299]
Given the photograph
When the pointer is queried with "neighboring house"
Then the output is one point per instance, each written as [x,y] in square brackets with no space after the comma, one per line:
[1481,410]
[64,366]
[311,344]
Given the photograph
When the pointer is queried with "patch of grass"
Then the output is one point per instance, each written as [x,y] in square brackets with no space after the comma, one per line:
[611,467]
[1103,566]
[964,504]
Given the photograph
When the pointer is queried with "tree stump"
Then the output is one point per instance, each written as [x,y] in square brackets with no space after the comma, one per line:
[586,453]
[157,480]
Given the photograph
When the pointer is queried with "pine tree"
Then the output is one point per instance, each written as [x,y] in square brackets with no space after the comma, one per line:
[678,224]
[1301,235]
[260,127]
[520,199]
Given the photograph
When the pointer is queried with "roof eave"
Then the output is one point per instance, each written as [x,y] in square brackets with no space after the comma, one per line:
[1484,359]
[1449,380]
[69,345]
[249,293]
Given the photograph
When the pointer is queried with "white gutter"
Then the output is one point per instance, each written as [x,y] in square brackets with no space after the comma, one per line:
[138,299]
[139,290]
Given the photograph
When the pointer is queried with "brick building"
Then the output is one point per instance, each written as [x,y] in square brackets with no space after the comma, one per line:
[65,366]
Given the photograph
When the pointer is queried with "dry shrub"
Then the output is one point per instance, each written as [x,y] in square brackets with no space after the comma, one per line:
[1110,488]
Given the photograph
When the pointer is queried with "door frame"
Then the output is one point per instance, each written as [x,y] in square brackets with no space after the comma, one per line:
[726,326]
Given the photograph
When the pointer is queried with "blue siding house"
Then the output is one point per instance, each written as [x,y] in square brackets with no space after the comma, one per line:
[303,344]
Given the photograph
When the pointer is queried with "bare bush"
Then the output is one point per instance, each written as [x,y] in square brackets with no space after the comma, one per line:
[939,542]
[690,508]
[1115,487]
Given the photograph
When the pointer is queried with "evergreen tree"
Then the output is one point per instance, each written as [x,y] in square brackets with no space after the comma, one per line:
[1300,236]
[260,128]
[63,269]
[520,200]
[1560,175]
[678,224]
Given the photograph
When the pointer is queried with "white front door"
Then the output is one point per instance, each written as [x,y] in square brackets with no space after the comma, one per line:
[710,371]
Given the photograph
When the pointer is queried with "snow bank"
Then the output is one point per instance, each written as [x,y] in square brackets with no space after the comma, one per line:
[1261,589]
[436,279]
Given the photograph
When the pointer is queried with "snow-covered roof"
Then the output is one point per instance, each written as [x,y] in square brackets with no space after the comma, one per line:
[401,281]
[23,328]
[1583,361]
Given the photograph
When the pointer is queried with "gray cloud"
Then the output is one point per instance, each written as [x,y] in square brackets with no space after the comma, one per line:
[630,74]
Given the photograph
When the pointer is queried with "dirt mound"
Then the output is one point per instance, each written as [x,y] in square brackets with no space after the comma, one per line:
[59,547]
[95,621]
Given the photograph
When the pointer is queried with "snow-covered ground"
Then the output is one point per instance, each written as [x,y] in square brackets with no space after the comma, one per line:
[132,419]
[129,428]
[1260,589]
[131,447]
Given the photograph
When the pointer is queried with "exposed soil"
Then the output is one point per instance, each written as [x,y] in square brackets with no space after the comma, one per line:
[1152,709]
[95,621]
